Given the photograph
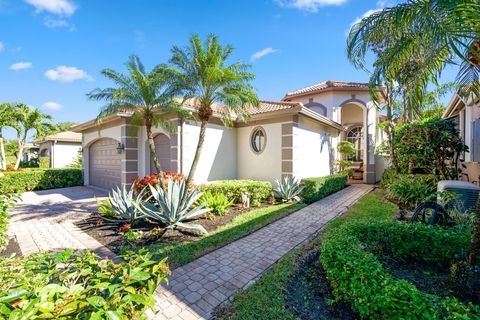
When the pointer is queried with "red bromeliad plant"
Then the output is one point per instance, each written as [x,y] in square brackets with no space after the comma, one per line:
[153,180]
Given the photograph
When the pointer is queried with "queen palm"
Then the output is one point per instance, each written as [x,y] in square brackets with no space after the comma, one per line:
[146,95]
[26,120]
[7,119]
[203,72]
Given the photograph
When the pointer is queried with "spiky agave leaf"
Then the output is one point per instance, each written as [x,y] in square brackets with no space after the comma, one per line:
[288,189]
[124,203]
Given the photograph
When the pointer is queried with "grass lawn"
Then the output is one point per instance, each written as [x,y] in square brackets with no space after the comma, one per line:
[266,298]
[180,253]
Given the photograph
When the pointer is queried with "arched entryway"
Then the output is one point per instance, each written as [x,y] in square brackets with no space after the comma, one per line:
[105,165]
[162,148]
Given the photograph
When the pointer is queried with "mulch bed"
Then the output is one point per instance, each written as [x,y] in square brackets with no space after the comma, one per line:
[11,248]
[309,295]
[108,235]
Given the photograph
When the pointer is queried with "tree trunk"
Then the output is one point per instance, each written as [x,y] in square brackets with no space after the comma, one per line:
[196,158]
[475,244]
[2,152]
[391,135]
[20,153]
[153,153]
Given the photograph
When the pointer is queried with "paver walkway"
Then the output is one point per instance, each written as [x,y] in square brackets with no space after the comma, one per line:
[197,288]
[43,220]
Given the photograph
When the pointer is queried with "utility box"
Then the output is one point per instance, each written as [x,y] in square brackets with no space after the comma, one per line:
[466,194]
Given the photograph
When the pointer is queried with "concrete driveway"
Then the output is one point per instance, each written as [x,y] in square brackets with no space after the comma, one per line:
[43,220]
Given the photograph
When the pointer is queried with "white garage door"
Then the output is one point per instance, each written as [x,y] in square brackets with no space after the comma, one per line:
[162,147]
[105,164]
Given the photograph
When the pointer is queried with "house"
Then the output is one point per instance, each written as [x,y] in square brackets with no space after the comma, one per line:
[294,136]
[466,114]
[60,148]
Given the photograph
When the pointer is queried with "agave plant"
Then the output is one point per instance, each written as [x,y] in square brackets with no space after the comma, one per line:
[169,209]
[125,204]
[288,189]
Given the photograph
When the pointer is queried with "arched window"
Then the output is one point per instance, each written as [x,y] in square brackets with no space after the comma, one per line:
[355,136]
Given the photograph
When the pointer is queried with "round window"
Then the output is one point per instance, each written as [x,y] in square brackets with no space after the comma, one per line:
[258,140]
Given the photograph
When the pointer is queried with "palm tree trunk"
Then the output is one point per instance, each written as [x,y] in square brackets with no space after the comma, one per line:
[475,243]
[391,134]
[196,158]
[20,153]
[2,152]
[153,153]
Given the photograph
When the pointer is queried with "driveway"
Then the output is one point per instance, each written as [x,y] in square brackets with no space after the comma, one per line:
[43,220]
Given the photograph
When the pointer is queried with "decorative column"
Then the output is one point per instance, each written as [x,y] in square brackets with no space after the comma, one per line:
[129,154]
[370,140]
[288,147]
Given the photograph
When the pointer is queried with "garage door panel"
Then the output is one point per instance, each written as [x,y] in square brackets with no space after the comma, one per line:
[162,148]
[105,164]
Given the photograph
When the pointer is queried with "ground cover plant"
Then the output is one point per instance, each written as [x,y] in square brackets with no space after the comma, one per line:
[78,285]
[7,201]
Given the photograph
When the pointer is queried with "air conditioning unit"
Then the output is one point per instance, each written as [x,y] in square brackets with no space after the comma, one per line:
[466,194]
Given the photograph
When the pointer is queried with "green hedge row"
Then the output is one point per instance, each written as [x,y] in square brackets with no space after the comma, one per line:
[258,190]
[39,179]
[315,189]
[357,276]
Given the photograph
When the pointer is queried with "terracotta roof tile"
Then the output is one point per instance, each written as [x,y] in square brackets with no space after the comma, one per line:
[323,86]
[271,106]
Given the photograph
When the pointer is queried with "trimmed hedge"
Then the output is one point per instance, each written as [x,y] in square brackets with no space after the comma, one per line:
[39,179]
[259,190]
[357,276]
[315,189]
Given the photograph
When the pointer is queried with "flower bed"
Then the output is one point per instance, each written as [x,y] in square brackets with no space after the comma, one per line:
[349,256]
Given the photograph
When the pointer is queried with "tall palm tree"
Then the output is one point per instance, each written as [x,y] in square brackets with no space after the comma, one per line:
[28,119]
[7,119]
[143,94]
[204,74]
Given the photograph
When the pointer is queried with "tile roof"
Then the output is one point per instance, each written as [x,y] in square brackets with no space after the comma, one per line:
[271,106]
[68,136]
[323,86]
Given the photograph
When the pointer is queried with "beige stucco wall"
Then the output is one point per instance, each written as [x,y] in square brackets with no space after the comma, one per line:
[218,159]
[64,153]
[265,166]
[313,149]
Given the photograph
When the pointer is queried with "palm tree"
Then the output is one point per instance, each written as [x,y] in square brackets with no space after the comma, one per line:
[28,119]
[203,73]
[143,94]
[7,119]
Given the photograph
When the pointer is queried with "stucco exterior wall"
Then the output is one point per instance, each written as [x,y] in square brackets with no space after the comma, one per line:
[265,166]
[313,149]
[64,153]
[218,159]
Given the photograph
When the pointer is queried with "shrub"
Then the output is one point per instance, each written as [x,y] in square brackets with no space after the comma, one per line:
[39,179]
[315,189]
[78,285]
[217,203]
[410,189]
[357,276]
[44,162]
[6,201]
[259,191]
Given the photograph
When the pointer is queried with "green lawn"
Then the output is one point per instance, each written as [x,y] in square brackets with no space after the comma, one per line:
[181,253]
[265,299]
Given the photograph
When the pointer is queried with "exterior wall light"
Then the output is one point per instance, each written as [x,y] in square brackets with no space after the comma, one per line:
[120,148]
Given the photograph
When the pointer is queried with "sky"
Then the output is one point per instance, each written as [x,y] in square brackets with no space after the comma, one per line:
[52,51]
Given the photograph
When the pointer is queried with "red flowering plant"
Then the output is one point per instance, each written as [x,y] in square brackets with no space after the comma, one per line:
[124,228]
[140,184]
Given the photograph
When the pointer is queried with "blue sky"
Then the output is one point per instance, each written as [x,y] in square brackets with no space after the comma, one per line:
[52,51]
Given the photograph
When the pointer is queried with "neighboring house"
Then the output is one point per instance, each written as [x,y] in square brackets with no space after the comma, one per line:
[295,136]
[61,148]
[467,116]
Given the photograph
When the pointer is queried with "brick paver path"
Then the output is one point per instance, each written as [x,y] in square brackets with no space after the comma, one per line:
[197,288]
[43,220]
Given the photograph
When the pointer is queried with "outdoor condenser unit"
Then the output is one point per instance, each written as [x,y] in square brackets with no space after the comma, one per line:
[466,194]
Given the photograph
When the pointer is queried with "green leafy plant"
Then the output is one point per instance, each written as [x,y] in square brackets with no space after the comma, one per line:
[169,209]
[39,179]
[288,189]
[105,207]
[125,204]
[79,285]
[44,162]
[408,190]
[6,201]
[218,203]
[258,191]
[129,234]
[315,189]
[346,150]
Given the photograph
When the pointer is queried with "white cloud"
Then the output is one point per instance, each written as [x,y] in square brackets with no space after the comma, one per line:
[50,105]
[67,74]
[2,46]
[20,66]
[262,53]
[381,4]
[58,23]
[59,7]
[309,5]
